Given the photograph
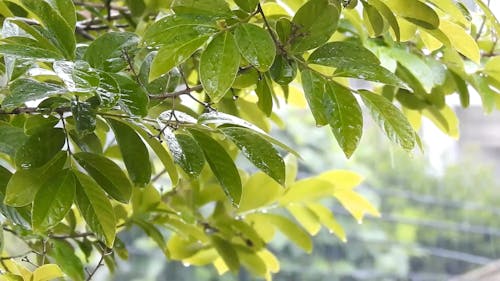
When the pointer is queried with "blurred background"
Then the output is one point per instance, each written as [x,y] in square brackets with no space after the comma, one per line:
[439,210]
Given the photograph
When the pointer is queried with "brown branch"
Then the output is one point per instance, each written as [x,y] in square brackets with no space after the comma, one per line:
[71,236]
[100,6]
[99,264]
[186,91]
[269,29]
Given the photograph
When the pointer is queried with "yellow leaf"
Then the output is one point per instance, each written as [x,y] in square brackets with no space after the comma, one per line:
[47,272]
[407,30]
[307,190]
[202,258]
[220,266]
[327,218]
[445,119]
[492,67]
[430,42]
[461,40]
[306,217]
[272,263]
[252,196]
[342,179]
[356,204]
[414,117]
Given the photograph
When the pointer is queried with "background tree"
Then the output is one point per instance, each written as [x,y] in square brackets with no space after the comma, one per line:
[102,100]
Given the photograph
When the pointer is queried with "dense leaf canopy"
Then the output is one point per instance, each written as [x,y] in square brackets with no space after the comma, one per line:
[117,114]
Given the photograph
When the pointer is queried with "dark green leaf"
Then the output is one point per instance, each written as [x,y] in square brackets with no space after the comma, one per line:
[133,99]
[283,70]
[38,123]
[343,54]
[134,152]
[107,51]
[388,15]
[219,65]
[57,27]
[221,164]
[11,139]
[255,45]
[152,231]
[24,90]
[66,9]
[108,90]
[262,154]
[462,90]
[317,97]
[40,148]
[24,184]
[375,73]
[65,257]
[216,8]
[265,93]
[226,252]
[373,19]
[390,119]
[84,114]
[247,5]
[95,208]
[410,100]
[107,174]
[53,200]
[77,76]
[88,142]
[186,152]
[346,119]
[315,23]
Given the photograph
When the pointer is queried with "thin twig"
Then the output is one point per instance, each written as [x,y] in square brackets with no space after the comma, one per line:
[158,176]
[99,264]
[176,94]
[100,6]
[71,236]
[17,256]
[269,29]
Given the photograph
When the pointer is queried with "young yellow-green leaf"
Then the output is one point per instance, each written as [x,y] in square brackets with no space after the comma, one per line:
[346,118]
[255,45]
[259,151]
[11,138]
[291,230]
[57,27]
[461,40]
[415,12]
[226,252]
[64,255]
[152,231]
[390,119]
[306,217]
[40,148]
[328,220]
[107,174]
[388,15]
[95,208]
[24,184]
[172,55]
[309,189]
[247,5]
[342,179]
[53,200]
[186,152]
[258,191]
[219,65]
[134,152]
[161,152]
[47,272]
[23,90]
[315,22]
[252,261]
[106,52]
[221,165]
[492,67]
[355,204]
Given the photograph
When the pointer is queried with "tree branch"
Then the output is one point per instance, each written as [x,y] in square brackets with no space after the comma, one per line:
[186,91]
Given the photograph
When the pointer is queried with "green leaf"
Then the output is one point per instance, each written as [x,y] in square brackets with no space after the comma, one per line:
[219,65]
[265,93]
[415,12]
[134,152]
[171,56]
[53,201]
[57,27]
[259,151]
[390,119]
[36,123]
[23,90]
[40,148]
[461,40]
[375,73]
[107,51]
[227,252]
[316,96]
[77,76]
[107,174]
[283,70]
[462,89]
[255,45]
[84,114]
[31,52]
[87,143]
[328,220]
[247,5]
[133,99]
[95,208]
[152,231]
[345,118]
[186,152]
[221,164]
[177,30]
[343,55]
[291,230]
[315,22]
[24,184]
[260,190]
[388,15]
[217,8]
[373,19]
[11,139]
[306,217]
[65,257]
[161,152]
[108,91]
